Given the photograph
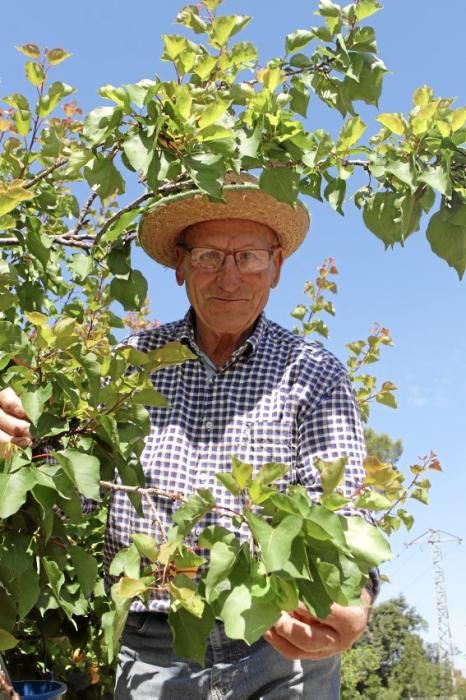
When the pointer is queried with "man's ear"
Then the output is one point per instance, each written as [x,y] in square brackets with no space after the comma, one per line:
[179,271]
[277,261]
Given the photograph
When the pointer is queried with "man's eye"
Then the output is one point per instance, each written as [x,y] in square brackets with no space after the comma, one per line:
[209,257]
[247,256]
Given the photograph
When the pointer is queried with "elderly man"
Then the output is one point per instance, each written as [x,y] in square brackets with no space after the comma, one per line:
[258,392]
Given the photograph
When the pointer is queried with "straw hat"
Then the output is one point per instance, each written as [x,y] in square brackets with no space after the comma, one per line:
[161,225]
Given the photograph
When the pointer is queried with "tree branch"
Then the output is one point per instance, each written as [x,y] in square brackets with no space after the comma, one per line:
[40,176]
[82,214]
[170,495]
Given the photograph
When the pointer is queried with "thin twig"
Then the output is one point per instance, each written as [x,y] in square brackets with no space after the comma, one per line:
[44,173]
[157,519]
[82,214]
[129,207]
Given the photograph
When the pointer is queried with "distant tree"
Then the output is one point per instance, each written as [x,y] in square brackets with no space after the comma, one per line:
[391,661]
[382,446]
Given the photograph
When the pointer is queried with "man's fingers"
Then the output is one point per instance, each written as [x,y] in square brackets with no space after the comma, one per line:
[11,403]
[305,636]
[290,651]
[13,427]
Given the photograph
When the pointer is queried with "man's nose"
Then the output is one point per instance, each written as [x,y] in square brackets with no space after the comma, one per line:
[229,276]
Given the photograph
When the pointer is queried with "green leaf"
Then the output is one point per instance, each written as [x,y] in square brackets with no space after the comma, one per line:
[13,490]
[246,617]
[83,469]
[229,482]
[386,398]
[271,472]
[7,641]
[29,50]
[222,558]
[274,542]
[213,112]
[56,579]
[299,98]
[192,645]
[80,265]
[104,178]
[138,153]
[127,561]
[403,171]
[130,291]
[438,178]
[327,8]
[150,397]
[86,569]
[366,8]
[39,246]
[7,606]
[223,28]
[128,588]
[241,472]
[325,526]
[334,501]
[208,172]
[394,122]
[373,501]
[446,234]
[11,194]
[281,183]
[146,546]
[350,133]
[287,593]
[56,92]
[184,591]
[392,217]
[100,122]
[366,542]
[123,222]
[314,595]
[56,56]
[298,40]
[335,192]
[34,73]
[331,473]
[196,506]
[6,222]
[406,518]
[174,45]
[34,402]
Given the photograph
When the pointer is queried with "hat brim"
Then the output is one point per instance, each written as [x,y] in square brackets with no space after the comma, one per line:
[161,225]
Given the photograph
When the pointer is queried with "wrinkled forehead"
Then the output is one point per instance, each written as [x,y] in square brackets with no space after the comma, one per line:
[227,233]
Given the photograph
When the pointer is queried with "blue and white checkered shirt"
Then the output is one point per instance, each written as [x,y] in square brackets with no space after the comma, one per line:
[278,399]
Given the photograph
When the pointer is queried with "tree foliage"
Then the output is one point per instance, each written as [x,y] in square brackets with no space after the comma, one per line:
[391,661]
[66,234]
[382,446]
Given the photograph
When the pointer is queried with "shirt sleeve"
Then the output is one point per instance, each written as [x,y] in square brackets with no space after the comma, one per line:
[330,429]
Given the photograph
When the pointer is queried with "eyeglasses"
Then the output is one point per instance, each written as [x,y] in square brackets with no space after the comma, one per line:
[212,259]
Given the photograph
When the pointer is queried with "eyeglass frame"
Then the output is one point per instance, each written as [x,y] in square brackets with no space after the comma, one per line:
[226,253]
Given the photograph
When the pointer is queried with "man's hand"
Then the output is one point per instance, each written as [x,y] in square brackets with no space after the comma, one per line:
[300,635]
[14,423]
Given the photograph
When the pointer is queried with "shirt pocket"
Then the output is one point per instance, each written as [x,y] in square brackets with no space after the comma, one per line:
[267,441]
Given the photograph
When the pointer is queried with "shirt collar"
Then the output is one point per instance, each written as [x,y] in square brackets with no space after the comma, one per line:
[186,334]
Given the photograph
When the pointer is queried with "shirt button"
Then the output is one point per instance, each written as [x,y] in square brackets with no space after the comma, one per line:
[202,477]
[209,425]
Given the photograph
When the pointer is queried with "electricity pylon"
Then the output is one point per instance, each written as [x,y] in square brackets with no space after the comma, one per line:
[444,643]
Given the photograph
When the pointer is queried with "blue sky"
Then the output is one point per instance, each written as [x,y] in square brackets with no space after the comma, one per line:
[410,291]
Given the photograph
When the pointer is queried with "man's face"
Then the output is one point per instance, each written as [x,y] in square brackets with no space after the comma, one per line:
[228,301]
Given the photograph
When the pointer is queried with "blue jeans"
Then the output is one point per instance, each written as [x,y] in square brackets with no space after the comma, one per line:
[149,669]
